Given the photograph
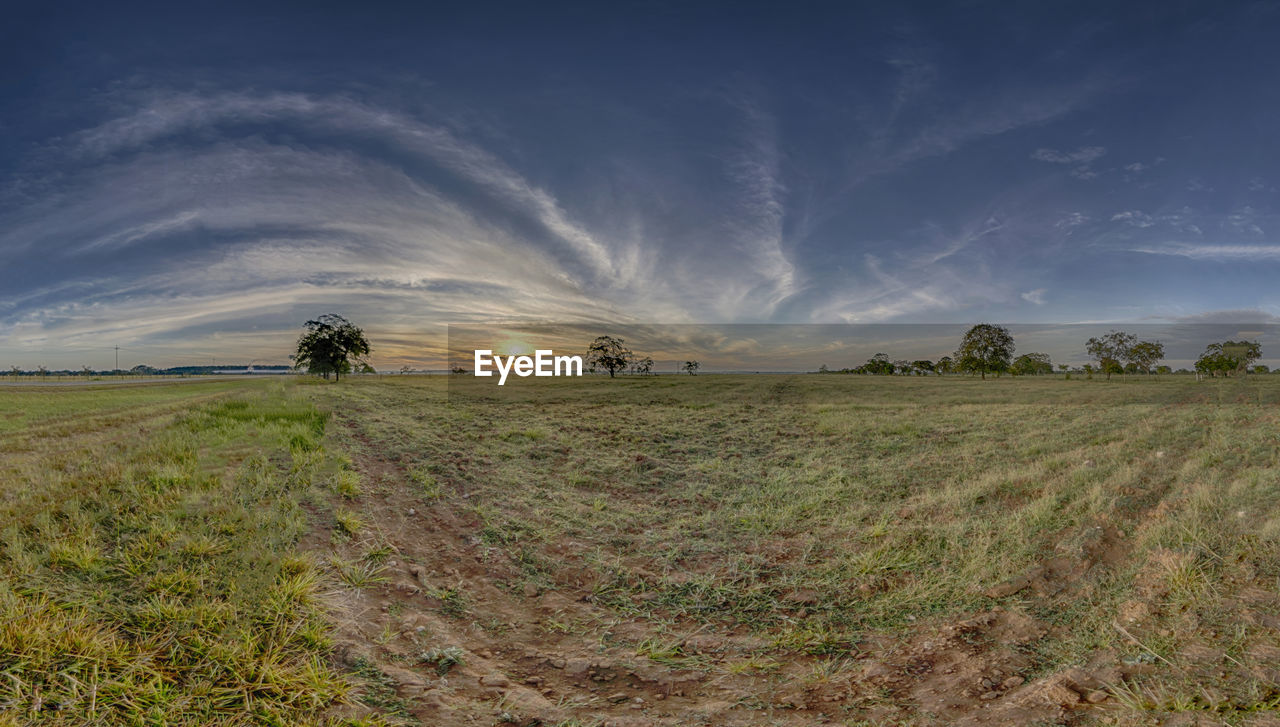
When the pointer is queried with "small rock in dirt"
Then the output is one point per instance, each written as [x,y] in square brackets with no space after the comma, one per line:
[408,587]
[1097,696]
[530,590]
[577,667]
[412,512]
[494,680]
[1012,682]
[704,644]
[534,680]
[618,697]
[803,597]
[988,696]
[876,670]
[556,662]
[1008,588]
[410,683]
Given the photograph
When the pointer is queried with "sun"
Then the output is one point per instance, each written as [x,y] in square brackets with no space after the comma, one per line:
[514,346]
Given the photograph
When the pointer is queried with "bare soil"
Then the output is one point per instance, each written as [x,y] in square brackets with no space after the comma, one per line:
[551,656]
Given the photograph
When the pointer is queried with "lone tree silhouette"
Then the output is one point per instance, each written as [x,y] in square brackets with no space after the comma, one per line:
[329,346]
[608,353]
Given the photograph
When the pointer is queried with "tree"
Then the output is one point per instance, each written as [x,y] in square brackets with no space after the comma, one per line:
[644,366]
[1228,357]
[691,367]
[1032,364]
[1261,369]
[878,365]
[1111,351]
[405,369]
[985,349]
[923,366]
[1163,370]
[1145,354]
[608,353]
[945,365]
[329,346]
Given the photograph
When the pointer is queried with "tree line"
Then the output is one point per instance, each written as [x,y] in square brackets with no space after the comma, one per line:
[988,349]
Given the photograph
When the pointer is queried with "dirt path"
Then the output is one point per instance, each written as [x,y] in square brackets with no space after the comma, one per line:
[551,656]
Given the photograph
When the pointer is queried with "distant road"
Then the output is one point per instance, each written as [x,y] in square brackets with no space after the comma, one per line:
[129,381]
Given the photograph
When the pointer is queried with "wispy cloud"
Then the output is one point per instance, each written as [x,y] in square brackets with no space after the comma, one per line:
[1133,218]
[1083,155]
[1035,297]
[1258,253]
[1081,160]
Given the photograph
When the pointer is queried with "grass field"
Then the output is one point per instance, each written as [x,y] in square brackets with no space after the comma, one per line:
[715,550]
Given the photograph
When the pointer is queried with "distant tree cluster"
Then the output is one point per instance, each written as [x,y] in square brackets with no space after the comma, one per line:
[1122,353]
[985,349]
[988,349]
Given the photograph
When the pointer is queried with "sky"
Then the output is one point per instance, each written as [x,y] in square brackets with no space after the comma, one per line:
[192,181]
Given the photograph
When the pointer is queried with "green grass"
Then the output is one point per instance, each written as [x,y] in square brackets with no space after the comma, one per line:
[148,572]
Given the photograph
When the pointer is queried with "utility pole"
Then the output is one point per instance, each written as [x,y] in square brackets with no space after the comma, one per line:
[117,358]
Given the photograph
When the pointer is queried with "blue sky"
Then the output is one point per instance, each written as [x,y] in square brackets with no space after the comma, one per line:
[190,181]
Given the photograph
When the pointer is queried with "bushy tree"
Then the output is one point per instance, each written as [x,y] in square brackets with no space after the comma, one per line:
[691,367]
[330,345]
[985,349]
[644,365]
[878,365]
[608,353]
[1144,355]
[1032,364]
[1111,351]
[1228,357]
[945,365]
